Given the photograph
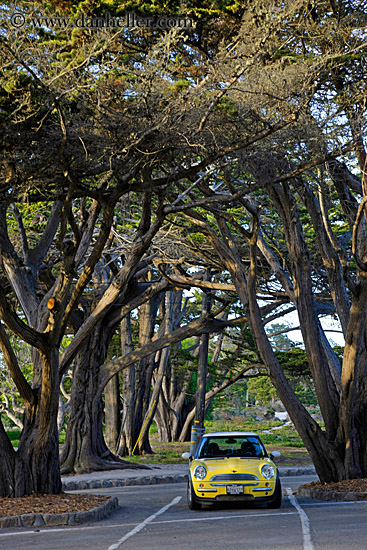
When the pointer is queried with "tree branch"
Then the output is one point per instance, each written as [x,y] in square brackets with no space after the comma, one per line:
[204,325]
[21,329]
[18,378]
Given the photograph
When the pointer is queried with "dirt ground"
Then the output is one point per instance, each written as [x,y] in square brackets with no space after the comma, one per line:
[353,485]
[49,504]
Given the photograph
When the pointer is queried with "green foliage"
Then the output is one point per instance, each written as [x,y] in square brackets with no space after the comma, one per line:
[294,362]
[297,370]
[205,9]
[282,436]
[288,439]
[179,86]
[295,366]
[9,394]
[241,423]
[14,436]
[211,8]
[262,390]
[227,107]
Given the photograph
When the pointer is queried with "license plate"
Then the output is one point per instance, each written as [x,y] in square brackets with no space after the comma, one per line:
[234,490]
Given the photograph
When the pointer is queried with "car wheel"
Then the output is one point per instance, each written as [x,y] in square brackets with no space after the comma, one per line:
[276,501]
[191,499]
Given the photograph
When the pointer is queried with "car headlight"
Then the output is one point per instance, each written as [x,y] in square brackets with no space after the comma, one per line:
[200,472]
[267,471]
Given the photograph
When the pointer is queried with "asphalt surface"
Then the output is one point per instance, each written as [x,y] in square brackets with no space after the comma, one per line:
[153,475]
[156,517]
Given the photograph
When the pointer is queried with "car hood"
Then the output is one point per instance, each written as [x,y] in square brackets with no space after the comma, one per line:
[232,465]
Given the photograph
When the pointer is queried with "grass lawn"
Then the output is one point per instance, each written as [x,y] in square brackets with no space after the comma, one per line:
[283,438]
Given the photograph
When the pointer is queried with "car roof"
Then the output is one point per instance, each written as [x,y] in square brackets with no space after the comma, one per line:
[229,434]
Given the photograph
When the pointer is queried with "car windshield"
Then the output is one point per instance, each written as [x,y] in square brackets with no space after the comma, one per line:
[224,446]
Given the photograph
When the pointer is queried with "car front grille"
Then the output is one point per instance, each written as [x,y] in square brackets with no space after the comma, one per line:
[234,477]
[231,498]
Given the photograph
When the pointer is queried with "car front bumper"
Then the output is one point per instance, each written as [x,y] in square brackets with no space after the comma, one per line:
[216,492]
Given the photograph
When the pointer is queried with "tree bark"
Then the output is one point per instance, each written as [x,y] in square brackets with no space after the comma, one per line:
[14,473]
[162,364]
[202,375]
[352,437]
[38,451]
[172,409]
[112,404]
[127,435]
[137,382]
[85,449]
[169,415]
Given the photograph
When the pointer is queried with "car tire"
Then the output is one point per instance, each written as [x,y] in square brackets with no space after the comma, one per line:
[276,501]
[191,498]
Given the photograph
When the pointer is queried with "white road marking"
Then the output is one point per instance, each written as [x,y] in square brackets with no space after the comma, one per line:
[47,530]
[226,518]
[305,522]
[144,524]
[335,503]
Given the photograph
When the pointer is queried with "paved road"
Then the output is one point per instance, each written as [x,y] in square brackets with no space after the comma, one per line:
[156,517]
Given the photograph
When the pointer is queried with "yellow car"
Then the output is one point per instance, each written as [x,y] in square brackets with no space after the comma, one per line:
[233,466]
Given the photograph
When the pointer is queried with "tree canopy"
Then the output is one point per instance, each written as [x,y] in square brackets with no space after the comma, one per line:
[243,138]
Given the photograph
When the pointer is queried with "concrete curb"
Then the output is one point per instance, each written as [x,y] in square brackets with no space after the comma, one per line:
[284,472]
[157,479]
[331,495]
[123,482]
[51,520]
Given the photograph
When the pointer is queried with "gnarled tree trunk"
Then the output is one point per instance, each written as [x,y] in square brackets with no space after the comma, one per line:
[85,448]
[34,467]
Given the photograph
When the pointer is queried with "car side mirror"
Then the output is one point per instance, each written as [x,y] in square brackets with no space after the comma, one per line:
[186,456]
[275,454]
